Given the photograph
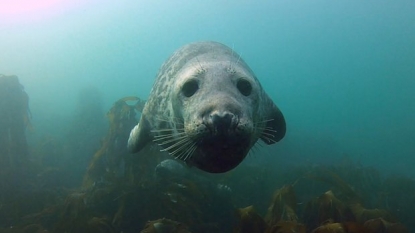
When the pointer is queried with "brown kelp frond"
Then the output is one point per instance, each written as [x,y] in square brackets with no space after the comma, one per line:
[165,225]
[326,207]
[250,221]
[330,228]
[287,227]
[381,225]
[283,206]
[329,177]
[362,215]
[107,160]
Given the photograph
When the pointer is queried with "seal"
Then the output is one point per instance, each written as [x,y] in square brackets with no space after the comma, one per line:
[208,109]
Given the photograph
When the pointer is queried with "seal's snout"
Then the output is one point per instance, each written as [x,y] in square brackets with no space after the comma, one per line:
[221,121]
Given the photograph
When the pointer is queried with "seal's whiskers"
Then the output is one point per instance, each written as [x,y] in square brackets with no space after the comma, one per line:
[167,136]
[180,148]
[183,140]
[165,130]
[169,120]
[162,143]
[263,121]
[187,153]
[190,154]
[269,129]
[266,138]
[266,133]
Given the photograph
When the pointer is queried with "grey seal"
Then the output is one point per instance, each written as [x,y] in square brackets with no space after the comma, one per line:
[208,109]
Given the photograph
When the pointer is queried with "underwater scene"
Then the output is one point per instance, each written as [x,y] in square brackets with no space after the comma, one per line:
[207,116]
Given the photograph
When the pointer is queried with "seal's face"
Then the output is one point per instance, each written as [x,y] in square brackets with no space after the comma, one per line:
[208,109]
[217,103]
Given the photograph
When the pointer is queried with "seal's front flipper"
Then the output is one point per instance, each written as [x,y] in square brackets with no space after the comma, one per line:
[275,128]
[139,136]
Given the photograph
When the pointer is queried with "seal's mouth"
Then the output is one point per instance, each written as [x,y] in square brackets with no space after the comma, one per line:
[220,153]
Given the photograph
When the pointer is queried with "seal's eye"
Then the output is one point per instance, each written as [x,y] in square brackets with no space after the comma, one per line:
[244,86]
[190,88]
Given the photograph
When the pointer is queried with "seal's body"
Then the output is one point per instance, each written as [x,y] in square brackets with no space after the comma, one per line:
[208,109]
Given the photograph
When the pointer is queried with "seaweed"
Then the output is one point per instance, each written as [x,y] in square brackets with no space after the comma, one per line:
[14,119]
[326,207]
[286,227]
[340,209]
[283,206]
[120,193]
[250,221]
[345,227]
[380,225]
[109,162]
[165,226]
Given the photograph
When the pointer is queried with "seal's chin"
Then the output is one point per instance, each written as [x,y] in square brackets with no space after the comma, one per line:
[218,154]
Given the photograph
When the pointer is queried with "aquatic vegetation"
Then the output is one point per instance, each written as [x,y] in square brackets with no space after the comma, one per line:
[14,118]
[345,227]
[109,161]
[165,226]
[283,206]
[362,215]
[250,221]
[74,214]
[99,225]
[286,227]
[399,198]
[340,209]
[326,207]
[381,225]
[333,179]
[122,192]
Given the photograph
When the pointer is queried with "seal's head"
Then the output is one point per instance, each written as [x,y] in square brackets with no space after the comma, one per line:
[208,109]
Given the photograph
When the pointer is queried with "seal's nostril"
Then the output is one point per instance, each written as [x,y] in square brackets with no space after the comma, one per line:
[222,120]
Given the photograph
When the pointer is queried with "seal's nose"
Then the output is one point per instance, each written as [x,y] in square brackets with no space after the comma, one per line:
[220,121]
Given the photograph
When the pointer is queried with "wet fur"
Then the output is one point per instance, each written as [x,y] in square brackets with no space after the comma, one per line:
[176,122]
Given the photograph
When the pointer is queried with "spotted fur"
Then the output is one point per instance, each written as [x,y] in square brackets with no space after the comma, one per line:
[169,117]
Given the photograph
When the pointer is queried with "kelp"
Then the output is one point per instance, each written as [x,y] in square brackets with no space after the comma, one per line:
[399,198]
[120,194]
[326,207]
[250,221]
[380,225]
[110,161]
[283,206]
[327,212]
[362,215]
[31,228]
[165,226]
[286,227]
[331,178]
[99,225]
[344,227]
[125,206]
[330,228]
[14,119]
[116,196]
[75,213]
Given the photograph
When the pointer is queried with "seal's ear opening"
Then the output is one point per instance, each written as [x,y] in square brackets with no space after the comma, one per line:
[275,128]
[139,136]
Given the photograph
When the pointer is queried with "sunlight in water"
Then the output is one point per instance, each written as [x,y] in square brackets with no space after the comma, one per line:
[18,11]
